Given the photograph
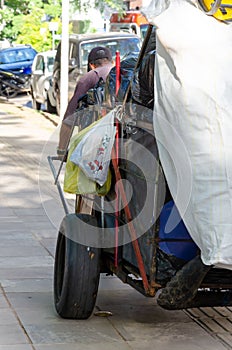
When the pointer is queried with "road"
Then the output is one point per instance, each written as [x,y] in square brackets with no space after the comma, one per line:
[30,214]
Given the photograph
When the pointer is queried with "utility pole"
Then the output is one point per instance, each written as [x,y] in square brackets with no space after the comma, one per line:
[64,58]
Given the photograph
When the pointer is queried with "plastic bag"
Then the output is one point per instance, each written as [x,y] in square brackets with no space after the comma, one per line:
[75,181]
[142,87]
[155,8]
[127,66]
[93,153]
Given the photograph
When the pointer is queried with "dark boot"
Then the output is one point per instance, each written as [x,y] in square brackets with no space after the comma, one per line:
[182,288]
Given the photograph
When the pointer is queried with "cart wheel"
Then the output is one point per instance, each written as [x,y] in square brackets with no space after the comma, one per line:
[76,272]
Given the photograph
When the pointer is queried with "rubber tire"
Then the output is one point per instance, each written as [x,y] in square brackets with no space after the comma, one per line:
[58,101]
[48,106]
[35,105]
[76,273]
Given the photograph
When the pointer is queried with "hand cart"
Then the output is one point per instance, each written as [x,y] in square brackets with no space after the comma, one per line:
[129,242]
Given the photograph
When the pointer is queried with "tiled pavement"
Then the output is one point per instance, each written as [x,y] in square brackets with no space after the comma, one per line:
[217,321]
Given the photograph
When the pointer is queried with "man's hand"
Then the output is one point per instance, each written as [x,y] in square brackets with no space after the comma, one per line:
[62,154]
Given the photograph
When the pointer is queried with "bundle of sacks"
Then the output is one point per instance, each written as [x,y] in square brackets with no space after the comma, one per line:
[193,121]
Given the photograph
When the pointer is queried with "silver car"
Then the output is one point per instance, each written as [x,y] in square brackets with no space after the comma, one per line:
[41,78]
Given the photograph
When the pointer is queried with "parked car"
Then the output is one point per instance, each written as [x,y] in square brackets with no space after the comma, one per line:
[41,80]
[17,59]
[79,47]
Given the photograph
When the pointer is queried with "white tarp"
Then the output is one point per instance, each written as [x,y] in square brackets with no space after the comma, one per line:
[193,121]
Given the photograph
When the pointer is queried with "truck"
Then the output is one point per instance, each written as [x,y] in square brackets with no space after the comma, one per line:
[129,21]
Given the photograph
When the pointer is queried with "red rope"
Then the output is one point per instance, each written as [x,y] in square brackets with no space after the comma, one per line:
[117,85]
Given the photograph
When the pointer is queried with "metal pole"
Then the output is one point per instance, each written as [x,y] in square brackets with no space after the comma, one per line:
[53,40]
[64,58]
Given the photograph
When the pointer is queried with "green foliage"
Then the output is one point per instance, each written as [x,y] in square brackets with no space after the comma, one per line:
[80,26]
[53,10]
[18,6]
[26,21]
[116,5]
[33,31]
[99,4]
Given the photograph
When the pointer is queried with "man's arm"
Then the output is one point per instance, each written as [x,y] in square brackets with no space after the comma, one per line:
[64,137]
[87,82]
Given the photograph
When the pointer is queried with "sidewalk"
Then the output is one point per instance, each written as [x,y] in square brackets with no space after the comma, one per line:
[27,246]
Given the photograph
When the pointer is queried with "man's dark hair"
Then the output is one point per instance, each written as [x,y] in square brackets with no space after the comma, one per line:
[100,62]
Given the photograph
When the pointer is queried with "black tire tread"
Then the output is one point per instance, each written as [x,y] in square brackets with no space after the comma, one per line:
[75,292]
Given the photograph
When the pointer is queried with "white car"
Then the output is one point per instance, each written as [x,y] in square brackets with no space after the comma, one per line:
[41,77]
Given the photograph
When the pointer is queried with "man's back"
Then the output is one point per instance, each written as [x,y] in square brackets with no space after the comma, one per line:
[99,63]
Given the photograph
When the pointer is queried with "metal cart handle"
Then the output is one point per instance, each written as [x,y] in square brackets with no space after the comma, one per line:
[57,183]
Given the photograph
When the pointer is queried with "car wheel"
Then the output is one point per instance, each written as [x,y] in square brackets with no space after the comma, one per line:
[58,101]
[48,106]
[76,271]
[35,105]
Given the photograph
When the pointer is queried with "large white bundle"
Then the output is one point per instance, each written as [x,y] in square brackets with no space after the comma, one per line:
[193,122]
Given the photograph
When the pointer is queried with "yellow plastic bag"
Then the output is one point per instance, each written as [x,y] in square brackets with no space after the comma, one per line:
[75,181]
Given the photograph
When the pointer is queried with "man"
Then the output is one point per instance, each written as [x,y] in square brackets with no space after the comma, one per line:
[99,65]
